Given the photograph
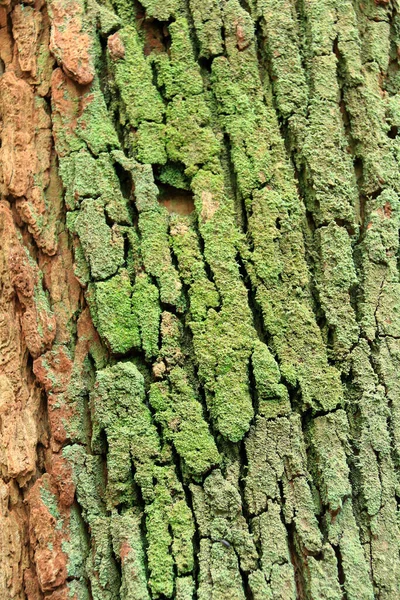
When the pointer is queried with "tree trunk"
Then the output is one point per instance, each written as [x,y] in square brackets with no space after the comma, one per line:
[200,300]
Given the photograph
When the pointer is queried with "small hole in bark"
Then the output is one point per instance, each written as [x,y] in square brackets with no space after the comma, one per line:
[175,200]
[393,131]
[2,67]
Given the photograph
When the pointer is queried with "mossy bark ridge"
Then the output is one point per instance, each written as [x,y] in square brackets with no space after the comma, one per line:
[200,300]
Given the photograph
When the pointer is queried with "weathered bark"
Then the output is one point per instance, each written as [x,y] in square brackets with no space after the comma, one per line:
[200,300]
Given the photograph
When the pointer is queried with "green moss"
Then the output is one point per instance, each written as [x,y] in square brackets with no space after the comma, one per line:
[128,545]
[189,137]
[162,9]
[117,322]
[273,397]
[207,20]
[186,247]
[150,143]
[153,227]
[133,77]
[178,71]
[103,246]
[180,414]
[172,174]
[170,529]
[146,310]
[119,410]
[94,125]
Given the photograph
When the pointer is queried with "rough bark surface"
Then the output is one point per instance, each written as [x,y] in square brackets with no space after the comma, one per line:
[200,300]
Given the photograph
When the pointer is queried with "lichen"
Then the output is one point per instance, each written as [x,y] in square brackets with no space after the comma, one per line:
[117,323]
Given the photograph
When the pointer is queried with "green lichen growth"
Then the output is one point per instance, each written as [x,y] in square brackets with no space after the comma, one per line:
[273,397]
[103,573]
[270,532]
[94,125]
[207,18]
[116,320]
[128,544]
[50,500]
[78,173]
[170,529]
[153,226]
[150,143]
[189,137]
[305,259]
[78,589]
[328,436]
[133,76]
[186,247]
[162,9]
[223,342]
[219,572]
[108,20]
[173,174]
[146,309]
[86,177]
[336,279]
[184,588]
[180,414]
[125,10]
[285,302]
[276,452]
[118,409]
[217,508]
[177,71]
[76,547]
[102,245]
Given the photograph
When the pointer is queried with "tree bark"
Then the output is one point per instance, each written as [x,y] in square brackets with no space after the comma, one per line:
[200,300]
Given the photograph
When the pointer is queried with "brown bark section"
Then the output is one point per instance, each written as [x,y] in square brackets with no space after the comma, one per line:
[36,272]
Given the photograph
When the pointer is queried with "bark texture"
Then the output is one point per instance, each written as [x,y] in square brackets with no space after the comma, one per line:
[200,300]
